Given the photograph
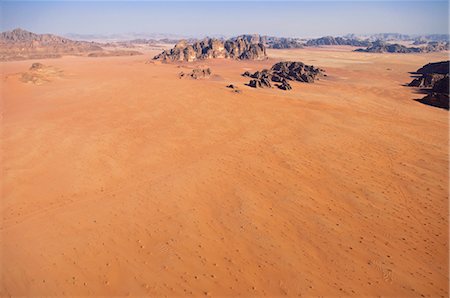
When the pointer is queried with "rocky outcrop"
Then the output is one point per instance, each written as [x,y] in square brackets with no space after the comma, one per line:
[282,72]
[210,48]
[20,44]
[338,41]
[196,73]
[434,81]
[39,74]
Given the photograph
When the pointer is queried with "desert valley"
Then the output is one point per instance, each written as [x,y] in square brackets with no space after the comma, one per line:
[252,166]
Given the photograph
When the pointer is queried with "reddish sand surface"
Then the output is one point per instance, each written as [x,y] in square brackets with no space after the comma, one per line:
[118,178]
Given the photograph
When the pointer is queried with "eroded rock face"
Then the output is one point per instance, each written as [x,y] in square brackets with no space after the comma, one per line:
[210,48]
[434,80]
[196,73]
[282,72]
[427,80]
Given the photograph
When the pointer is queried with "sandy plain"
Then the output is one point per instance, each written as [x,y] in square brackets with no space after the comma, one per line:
[118,178]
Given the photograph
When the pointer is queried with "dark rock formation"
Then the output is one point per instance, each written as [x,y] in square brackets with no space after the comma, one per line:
[434,80]
[382,47]
[282,72]
[20,44]
[439,94]
[441,67]
[338,41]
[239,48]
[196,73]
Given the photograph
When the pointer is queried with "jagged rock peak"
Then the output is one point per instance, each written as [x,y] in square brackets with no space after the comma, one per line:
[211,48]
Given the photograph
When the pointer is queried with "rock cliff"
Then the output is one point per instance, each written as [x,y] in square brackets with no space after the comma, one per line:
[434,81]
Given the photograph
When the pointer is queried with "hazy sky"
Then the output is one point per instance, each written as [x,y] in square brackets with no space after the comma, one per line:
[292,18]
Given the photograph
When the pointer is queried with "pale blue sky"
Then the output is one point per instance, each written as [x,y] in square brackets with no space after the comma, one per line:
[291,18]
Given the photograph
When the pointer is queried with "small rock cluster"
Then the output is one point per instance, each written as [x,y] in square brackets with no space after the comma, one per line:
[234,88]
[281,73]
[196,73]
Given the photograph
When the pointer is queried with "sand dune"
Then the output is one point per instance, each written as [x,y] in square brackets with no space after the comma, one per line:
[121,179]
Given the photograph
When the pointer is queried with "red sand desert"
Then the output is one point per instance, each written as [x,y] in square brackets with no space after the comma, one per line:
[121,179]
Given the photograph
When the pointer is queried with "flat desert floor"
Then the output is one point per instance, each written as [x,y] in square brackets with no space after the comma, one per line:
[118,178]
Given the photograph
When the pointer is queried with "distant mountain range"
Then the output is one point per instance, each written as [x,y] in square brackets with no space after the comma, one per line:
[400,37]
[170,36]
[19,44]
[383,47]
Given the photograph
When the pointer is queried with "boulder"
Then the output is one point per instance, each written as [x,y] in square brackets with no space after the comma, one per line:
[284,85]
[234,88]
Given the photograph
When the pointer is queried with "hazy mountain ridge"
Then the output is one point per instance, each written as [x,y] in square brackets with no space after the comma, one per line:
[19,44]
